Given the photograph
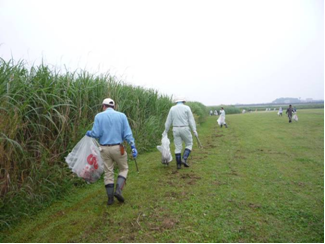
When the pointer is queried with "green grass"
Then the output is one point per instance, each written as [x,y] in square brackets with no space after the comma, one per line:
[43,114]
[260,180]
[298,106]
[229,109]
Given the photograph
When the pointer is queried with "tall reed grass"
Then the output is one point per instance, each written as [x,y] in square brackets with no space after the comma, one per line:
[44,113]
[199,110]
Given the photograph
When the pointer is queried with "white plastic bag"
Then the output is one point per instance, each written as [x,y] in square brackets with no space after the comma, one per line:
[166,156]
[221,120]
[85,160]
[295,117]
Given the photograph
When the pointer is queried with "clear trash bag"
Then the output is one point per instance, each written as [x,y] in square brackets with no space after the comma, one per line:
[221,120]
[166,156]
[295,117]
[85,160]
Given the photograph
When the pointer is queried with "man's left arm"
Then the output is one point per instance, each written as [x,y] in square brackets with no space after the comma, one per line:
[191,121]
[128,136]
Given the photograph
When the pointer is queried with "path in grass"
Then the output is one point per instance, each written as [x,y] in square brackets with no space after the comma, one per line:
[260,180]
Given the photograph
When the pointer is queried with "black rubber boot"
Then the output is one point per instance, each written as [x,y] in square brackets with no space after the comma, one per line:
[226,125]
[178,160]
[110,193]
[119,187]
[186,154]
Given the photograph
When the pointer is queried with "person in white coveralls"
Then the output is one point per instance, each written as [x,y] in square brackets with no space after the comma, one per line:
[181,118]
[222,118]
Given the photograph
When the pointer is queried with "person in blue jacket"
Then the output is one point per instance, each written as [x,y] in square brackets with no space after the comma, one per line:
[112,128]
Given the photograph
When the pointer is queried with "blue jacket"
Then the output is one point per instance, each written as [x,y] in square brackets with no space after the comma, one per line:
[112,127]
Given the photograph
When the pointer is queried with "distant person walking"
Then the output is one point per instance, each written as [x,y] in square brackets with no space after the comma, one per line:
[280,111]
[289,113]
[222,118]
[181,118]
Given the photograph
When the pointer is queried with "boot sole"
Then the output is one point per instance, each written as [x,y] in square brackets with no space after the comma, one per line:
[119,197]
[110,203]
[185,164]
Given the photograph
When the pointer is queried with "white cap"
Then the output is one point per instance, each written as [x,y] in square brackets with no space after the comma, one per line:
[109,102]
[179,99]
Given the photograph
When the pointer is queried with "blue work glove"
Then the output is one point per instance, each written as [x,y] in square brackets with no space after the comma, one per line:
[134,152]
[88,133]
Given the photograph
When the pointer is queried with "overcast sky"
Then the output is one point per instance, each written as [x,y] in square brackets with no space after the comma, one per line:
[215,52]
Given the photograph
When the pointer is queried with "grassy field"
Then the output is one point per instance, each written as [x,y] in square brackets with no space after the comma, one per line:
[298,106]
[260,180]
[43,114]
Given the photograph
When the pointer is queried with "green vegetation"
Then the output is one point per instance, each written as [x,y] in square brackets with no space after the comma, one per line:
[229,109]
[263,107]
[260,180]
[199,110]
[44,113]
[236,109]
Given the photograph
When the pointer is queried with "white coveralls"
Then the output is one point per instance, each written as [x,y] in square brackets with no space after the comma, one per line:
[181,117]
[222,118]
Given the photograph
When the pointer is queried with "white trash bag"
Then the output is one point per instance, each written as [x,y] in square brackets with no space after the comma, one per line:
[295,117]
[166,156]
[85,160]
[221,120]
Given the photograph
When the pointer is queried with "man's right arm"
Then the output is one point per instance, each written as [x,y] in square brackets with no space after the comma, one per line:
[96,131]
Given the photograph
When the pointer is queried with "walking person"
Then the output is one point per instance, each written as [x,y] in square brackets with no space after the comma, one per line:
[280,111]
[181,118]
[222,118]
[112,128]
[289,113]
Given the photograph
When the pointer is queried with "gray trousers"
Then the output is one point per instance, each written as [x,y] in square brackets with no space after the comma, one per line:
[182,134]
